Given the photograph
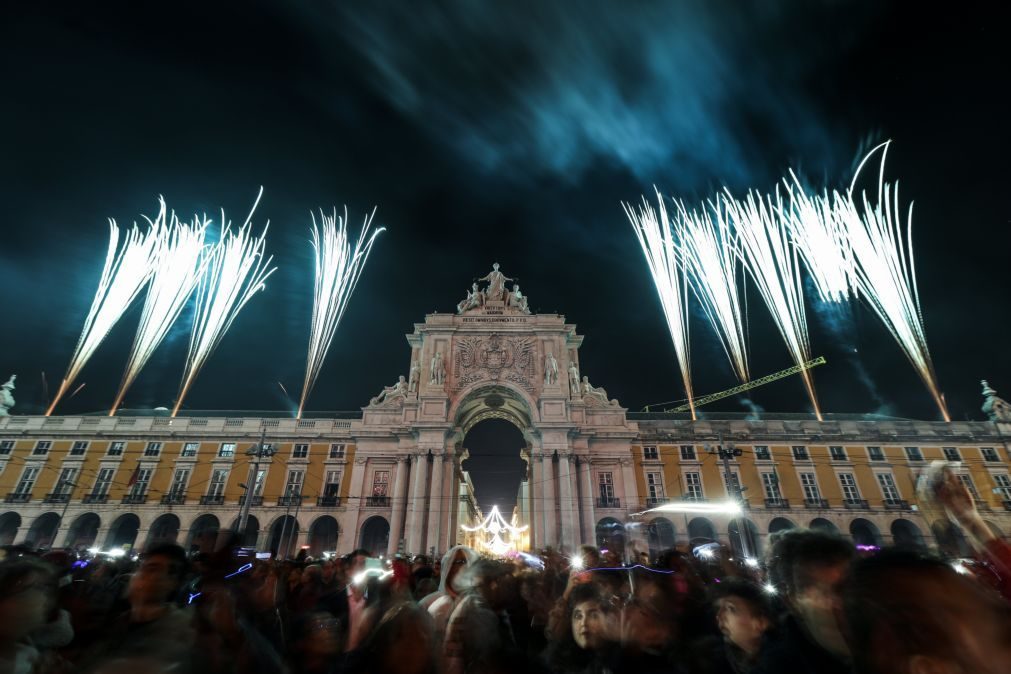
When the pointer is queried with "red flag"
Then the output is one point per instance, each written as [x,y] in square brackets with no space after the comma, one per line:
[133,478]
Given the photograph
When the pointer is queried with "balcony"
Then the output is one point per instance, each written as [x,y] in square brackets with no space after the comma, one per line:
[18,498]
[777,504]
[654,501]
[134,499]
[328,501]
[896,504]
[173,499]
[57,498]
[855,504]
[609,502]
[1007,505]
[981,504]
[289,500]
[693,498]
[377,502]
[816,503]
[212,499]
[257,500]
[95,498]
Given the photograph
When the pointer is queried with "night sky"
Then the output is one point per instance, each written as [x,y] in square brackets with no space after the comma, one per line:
[495,131]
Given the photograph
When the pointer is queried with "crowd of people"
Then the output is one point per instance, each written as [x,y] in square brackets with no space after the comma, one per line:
[815,605]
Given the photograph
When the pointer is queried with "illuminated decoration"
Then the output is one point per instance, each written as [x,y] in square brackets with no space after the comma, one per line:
[179,263]
[236,271]
[771,260]
[501,537]
[725,508]
[338,268]
[127,269]
[884,269]
[666,267]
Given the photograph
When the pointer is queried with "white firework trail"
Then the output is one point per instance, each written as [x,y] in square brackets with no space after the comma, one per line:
[338,268]
[667,269]
[236,271]
[709,250]
[127,269]
[765,249]
[885,270]
[179,263]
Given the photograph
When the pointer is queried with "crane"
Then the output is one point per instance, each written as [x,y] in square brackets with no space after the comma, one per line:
[747,386]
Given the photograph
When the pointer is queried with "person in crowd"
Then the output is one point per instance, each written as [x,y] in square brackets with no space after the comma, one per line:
[475,633]
[807,567]
[583,648]
[349,606]
[403,642]
[744,616]
[452,585]
[32,626]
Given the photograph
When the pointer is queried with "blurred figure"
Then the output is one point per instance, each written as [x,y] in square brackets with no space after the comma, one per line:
[584,646]
[475,634]
[807,567]
[402,643]
[744,616]
[31,626]
[913,614]
[452,585]
[649,631]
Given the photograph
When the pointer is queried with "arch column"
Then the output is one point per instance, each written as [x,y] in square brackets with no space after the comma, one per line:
[399,505]
[416,517]
[628,479]
[548,499]
[537,519]
[436,507]
[587,501]
[569,535]
[355,502]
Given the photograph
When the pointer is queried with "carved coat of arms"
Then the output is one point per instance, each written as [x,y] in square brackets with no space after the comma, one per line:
[495,358]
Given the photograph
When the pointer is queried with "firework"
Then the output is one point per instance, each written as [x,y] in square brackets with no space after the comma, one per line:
[885,271]
[178,265]
[338,268]
[236,270]
[765,250]
[662,257]
[709,252]
[127,268]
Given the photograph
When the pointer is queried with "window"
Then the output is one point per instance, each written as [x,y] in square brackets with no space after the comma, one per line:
[103,481]
[190,449]
[770,484]
[762,453]
[810,486]
[152,449]
[300,451]
[1003,483]
[381,483]
[115,449]
[140,484]
[651,453]
[970,485]
[800,453]
[293,487]
[654,485]
[693,486]
[42,448]
[226,450]
[837,453]
[337,450]
[875,454]
[732,482]
[217,486]
[67,481]
[951,453]
[6,446]
[332,483]
[606,483]
[888,488]
[989,454]
[261,476]
[914,454]
[179,482]
[688,453]
[849,487]
[79,448]
[27,481]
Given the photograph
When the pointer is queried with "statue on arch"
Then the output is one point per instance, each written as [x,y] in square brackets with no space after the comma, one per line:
[518,300]
[6,397]
[496,284]
[391,393]
[550,369]
[473,300]
[413,377]
[438,370]
[595,394]
[574,379]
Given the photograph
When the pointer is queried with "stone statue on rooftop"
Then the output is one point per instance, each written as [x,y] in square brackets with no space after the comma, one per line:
[438,370]
[496,284]
[413,377]
[550,369]
[6,397]
[995,407]
[596,395]
[391,393]
[518,300]
[574,380]
[473,300]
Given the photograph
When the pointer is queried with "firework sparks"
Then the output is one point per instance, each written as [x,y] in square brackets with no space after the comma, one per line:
[178,266]
[709,251]
[338,268]
[127,269]
[662,257]
[885,271]
[766,252]
[236,270]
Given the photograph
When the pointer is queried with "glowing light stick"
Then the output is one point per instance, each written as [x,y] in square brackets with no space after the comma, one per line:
[669,277]
[236,271]
[338,268]
[179,264]
[765,250]
[127,268]
[885,271]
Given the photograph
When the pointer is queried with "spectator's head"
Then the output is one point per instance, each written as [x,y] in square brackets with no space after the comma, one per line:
[27,595]
[743,613]
[453,579]
[159,576]
[912,614]
[355,562]
[588,617]
[485,578]
[403,642]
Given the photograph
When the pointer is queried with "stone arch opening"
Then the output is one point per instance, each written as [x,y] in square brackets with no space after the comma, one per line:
[865,532]
[251,535]
[745,538]
[43,531]
[661,535]
[905,534]
[283,536]
[203,536]
[779,524]
[822,524]
[10,522]
[700,531]
[83,531]
[123,531]
[323,534]
[375,536]
[165,529]
[610,534]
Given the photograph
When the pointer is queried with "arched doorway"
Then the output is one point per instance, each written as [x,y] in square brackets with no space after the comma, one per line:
[249,538]
[375,535]
[950,539]
[10,522]
[905,534]
[701,530]
[323,536]
[865,533]
[283,536]
[43,531]
[822,524]
[494,464]
[661,535]
[83,532]
[203,534]
[123,532]
[744,537]
[165,529]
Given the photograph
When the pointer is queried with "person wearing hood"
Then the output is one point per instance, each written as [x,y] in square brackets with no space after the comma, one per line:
[453,583]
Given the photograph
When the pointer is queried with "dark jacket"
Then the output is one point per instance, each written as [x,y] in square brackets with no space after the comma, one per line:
[793,651]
